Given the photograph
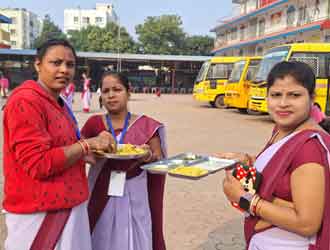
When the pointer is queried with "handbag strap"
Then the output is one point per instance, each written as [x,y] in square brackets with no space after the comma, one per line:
[51,230]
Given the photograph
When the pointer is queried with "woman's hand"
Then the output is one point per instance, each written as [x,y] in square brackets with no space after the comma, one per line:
[232,187]
[103,142]
[241,157]
[150,156]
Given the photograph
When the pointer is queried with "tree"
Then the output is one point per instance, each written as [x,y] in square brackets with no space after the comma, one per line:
[161,35]
[94,38]
[49,31]
[199,45]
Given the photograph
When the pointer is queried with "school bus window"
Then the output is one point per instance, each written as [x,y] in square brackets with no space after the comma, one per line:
[252,70]
[273,57]
[237,72]
[220,71]
[202,72]
[317,61]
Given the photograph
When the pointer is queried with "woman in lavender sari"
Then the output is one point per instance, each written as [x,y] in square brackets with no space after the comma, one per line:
[291,209]
[131,220]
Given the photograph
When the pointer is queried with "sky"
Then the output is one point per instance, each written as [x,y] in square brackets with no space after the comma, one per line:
[198,17]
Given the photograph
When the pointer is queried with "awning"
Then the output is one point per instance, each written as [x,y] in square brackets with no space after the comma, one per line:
[320,25]
[4,19]
[231,22]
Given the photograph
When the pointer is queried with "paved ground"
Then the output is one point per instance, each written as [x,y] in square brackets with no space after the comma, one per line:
[197,215]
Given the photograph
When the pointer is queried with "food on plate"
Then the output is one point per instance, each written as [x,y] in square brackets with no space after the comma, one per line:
[193,171]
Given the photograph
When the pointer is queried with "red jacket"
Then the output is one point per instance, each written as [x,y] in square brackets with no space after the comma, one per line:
[36,127]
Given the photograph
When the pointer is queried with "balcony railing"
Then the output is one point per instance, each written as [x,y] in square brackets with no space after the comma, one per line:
[261,31]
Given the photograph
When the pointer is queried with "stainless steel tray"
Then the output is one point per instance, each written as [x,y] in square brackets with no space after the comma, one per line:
[209,163]
[214,164]
[163,166]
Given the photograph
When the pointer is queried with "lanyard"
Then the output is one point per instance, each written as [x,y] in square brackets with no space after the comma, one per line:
[108,118]
[73,119]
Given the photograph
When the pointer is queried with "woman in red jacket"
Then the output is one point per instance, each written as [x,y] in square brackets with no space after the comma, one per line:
[45,189]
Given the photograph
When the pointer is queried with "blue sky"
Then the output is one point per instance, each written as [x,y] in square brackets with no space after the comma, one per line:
[198,16]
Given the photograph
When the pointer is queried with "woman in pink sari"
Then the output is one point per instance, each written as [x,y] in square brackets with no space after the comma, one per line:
[291,209]
[133,218]
[4,85]
[86,93]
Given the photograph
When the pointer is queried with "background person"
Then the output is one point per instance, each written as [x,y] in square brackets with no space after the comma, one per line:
[292,207]
[4,85]
[134,219]
[86,93]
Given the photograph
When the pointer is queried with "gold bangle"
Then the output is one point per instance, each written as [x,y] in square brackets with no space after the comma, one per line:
[150,156]
[258,207]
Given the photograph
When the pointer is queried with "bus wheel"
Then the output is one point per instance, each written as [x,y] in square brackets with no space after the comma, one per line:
[219,101]
[212,104]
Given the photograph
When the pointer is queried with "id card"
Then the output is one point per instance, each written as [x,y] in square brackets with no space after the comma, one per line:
[117,183]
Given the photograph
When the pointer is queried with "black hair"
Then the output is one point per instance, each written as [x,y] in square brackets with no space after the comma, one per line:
[122,78]
[42,50]
[300,71]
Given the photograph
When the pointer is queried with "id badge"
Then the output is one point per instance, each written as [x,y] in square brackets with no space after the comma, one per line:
[117,183]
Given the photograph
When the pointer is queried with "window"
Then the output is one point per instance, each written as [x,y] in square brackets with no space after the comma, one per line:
[234,34]
[75,20]
[13,32]
[13,20]
[220,71]
[261,27]
[98,19]
[13,43]
[275,18]
[291,13]
[86,20]
[253,27]
[242,33]
[317,61]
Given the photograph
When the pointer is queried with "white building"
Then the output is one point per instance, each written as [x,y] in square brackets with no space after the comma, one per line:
[263,24]
[76,19]
[25,27]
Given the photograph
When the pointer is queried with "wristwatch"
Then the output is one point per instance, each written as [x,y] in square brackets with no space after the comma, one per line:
[245,201]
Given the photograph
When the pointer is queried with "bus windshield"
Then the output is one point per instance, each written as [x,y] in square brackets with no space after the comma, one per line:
[237,72]
[220,71]
[271,58]
[202,72]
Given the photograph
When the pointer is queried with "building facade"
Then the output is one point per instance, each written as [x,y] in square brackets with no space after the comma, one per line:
[263,24]
[76,19]
[4,32]
[25,27]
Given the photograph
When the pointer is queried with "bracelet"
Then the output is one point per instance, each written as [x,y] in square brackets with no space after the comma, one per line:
[258,207]
[85,146]
[253,205]
[150,156]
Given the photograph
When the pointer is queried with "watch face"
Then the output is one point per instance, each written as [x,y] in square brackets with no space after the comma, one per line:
[244,204]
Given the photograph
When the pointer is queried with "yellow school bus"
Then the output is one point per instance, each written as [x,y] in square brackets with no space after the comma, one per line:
[316,55]
[209,85]
[237,87]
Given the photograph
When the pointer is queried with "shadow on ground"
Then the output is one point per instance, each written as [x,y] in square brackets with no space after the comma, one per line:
[226,237]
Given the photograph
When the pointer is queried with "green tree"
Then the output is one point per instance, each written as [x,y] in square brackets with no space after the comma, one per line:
[94,38]
[49,31]
[199,45]
[161,35]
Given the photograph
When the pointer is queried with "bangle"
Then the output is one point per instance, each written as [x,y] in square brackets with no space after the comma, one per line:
[85,146]
[253,205]
[150,156]
[258,207]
